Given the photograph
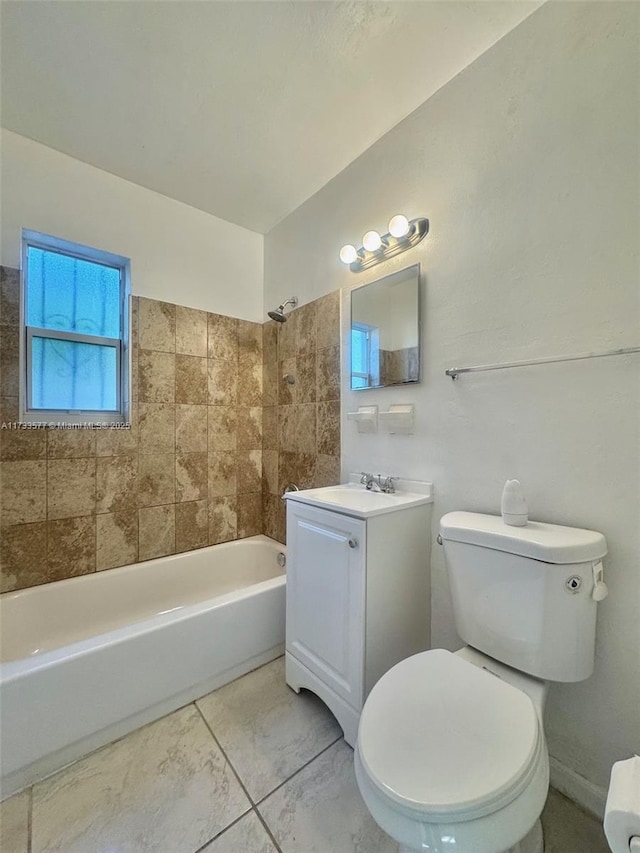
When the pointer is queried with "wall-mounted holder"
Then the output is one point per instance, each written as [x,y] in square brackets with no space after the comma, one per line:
[399,419]
[366,418]
[454,372]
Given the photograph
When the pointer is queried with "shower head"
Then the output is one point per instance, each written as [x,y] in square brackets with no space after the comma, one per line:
[278,314]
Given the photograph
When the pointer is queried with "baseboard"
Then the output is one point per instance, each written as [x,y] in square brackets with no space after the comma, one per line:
[590,797]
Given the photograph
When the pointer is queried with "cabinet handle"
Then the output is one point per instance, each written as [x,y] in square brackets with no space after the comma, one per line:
[353,543]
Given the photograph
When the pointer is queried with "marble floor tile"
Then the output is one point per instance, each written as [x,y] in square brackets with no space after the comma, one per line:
[165,788]
[320,810]
[267,731]
[14,823]
[248,835]
[567,829]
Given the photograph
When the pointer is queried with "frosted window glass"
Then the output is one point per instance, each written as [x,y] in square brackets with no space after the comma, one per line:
[71,294]
[71,375]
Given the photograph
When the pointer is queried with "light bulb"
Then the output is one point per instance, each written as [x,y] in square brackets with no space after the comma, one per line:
[399,226]
[372,241]
[348,254]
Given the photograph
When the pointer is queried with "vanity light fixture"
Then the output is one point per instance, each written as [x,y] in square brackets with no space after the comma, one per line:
[348,254]
[372,241]
[403,234]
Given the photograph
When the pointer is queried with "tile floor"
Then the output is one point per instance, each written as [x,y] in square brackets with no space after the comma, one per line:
[251,768]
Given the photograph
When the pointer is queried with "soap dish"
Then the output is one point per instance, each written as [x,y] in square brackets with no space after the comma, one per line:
[399,419]
[366,418]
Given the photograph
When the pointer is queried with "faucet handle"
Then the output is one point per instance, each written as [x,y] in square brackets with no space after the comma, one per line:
[364,479]
[291,487]
[388,485]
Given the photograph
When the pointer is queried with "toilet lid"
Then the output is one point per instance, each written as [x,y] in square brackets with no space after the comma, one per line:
[446,738]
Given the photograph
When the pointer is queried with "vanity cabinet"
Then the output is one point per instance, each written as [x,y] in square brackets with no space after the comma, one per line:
[326,585]
[357,600]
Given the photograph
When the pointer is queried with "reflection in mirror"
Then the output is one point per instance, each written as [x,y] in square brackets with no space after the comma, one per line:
[385,331]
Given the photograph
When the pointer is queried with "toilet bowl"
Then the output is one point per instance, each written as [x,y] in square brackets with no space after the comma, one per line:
[451,757]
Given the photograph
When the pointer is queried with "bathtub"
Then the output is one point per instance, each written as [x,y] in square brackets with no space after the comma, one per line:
[86,660]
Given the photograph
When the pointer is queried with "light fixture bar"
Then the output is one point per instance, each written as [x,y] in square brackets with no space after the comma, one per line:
[391,246]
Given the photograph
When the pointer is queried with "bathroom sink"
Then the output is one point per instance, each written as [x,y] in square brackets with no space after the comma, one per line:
[353,499]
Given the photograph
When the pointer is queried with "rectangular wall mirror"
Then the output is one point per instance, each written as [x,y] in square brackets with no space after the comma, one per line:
[385,331]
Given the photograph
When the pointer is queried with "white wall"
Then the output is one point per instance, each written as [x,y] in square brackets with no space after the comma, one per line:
[178,254]
[527,166]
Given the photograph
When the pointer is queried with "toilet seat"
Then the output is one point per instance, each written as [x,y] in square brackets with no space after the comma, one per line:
[446,741]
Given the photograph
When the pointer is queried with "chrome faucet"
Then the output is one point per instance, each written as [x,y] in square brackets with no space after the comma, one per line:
[370,483]
[378,483]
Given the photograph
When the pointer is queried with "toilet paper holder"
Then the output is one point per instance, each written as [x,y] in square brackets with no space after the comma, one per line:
[622,809]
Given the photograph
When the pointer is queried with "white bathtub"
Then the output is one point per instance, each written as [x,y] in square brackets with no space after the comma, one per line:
[86,660]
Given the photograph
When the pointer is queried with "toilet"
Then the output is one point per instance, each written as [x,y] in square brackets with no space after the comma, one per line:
[451,755]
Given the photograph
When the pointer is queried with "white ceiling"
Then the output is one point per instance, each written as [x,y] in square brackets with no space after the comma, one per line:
[241,109]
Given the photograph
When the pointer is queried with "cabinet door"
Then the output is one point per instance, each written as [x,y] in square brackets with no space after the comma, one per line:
[326,596]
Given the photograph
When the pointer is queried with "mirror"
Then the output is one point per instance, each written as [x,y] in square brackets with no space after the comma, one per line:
[385,331]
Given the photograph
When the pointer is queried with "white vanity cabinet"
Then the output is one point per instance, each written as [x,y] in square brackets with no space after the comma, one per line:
[357,596]
[326,588]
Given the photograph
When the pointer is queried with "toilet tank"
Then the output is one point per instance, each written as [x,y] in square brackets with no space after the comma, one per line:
[524,595]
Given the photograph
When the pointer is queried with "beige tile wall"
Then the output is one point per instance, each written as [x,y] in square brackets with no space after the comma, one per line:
[301,422]
[203,462]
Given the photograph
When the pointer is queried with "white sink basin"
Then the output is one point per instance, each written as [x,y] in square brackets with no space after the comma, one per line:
[355,500]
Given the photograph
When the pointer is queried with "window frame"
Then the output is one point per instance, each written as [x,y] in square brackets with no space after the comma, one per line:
[372,339]
[121,345]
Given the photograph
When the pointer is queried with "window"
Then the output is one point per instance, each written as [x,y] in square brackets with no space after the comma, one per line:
[75,332]
[365,370]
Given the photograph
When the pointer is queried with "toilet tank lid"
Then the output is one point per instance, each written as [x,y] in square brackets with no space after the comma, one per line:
[549,543]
